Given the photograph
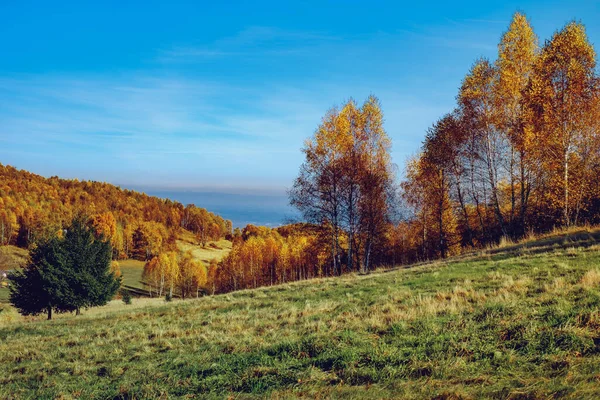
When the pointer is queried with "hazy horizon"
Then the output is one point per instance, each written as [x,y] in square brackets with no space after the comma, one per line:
[241,209]
[266,206]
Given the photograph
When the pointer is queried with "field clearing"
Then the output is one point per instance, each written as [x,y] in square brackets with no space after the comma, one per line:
[131,273]
[519,323]
[4,292]
[213,250]
[11,257]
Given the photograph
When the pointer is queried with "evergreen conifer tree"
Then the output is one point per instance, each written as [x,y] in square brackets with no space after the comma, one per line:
[66,274]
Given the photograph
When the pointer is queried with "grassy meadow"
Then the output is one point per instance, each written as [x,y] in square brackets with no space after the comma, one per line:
[518,322]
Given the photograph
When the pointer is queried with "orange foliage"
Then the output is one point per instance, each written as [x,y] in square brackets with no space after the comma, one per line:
[33,207]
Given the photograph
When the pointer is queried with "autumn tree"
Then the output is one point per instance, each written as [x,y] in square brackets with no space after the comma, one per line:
[192,275]
[33,208]
[376,179]
[561,98]
[345,181]
[476,99]
[105,225]
[162,273]
[8,225]
[517,53]
[317,191]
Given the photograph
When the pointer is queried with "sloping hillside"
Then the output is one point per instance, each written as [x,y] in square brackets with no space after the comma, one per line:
[517,322]
[33,207]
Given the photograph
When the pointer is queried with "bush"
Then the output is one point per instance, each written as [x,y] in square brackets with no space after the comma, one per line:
[168,297]
[126,296]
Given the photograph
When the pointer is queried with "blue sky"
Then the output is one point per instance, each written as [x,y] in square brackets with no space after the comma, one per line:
[221,95]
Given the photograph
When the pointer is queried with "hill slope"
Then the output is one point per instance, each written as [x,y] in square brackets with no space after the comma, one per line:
[33,207]
[522,322]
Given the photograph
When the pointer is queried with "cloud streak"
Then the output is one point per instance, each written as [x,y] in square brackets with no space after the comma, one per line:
[254,41]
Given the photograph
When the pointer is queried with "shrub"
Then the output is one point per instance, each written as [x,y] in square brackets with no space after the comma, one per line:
[126,296]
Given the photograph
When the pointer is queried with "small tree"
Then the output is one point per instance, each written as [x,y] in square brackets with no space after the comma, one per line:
[66,274]
[126,296]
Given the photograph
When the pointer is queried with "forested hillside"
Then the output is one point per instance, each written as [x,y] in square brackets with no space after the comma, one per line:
[138,226]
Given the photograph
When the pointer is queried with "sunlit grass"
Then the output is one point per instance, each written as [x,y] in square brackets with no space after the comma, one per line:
[11,257]
[213,250]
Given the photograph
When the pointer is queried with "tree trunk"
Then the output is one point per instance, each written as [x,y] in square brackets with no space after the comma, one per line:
[49,312]
[566,184]
[494,188]
[523,196]
[461,201]
[441,216]
[367,257]
[333,259]
[512,191]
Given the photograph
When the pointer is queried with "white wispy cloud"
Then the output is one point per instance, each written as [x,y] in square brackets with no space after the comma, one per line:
[250,42]
[147,123]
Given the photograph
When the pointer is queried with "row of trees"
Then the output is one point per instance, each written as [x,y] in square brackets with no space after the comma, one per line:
[172,273]
[137,225]
[264,256]
[520,153]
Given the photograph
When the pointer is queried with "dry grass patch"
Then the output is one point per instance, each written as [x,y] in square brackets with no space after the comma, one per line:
[213,250]
[591,278]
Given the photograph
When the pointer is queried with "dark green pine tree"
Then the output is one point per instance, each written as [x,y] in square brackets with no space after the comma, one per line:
[66,274]
[42,285]
[89,257]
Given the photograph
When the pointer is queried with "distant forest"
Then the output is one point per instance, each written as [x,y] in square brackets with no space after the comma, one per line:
[33,208]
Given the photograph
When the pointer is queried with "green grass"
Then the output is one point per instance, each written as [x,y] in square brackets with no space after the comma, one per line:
[11,257]
[131,273]
[518,323]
